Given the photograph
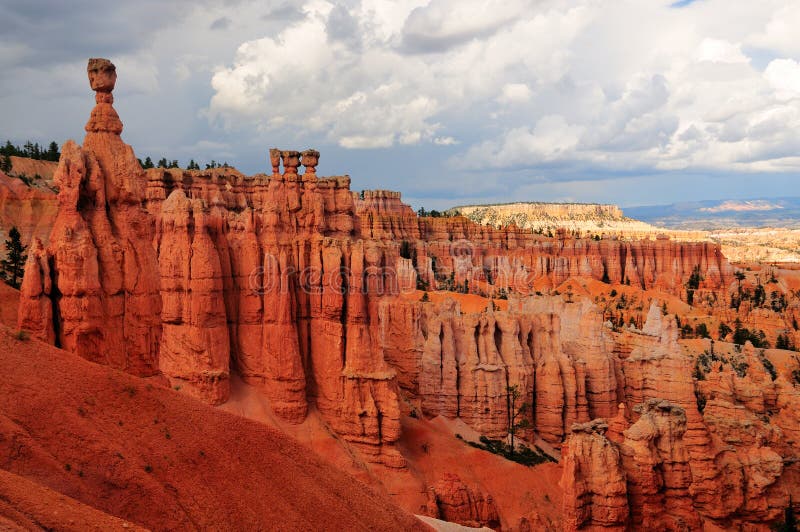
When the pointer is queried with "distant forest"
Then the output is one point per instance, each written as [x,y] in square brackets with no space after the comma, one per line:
[31,150]
[166,163]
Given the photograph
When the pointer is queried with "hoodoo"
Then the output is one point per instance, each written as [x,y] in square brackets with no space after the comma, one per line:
[350,307]
[95,289]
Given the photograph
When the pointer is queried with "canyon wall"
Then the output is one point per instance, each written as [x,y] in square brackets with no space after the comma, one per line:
[645,442]
[578,218]
[31,209]
[307,291]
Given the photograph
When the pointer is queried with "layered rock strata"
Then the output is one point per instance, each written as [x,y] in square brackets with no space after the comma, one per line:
[303,289]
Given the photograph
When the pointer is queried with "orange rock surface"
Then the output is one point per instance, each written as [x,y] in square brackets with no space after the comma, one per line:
[312,296]
[154,457]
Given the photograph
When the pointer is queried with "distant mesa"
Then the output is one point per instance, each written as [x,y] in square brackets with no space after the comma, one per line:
[742,206]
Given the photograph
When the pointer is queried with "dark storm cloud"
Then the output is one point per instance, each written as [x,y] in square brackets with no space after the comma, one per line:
[221,23]
[288,12]
[55,31]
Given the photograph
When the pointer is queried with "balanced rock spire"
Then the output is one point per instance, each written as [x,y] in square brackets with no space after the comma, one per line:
[102,78]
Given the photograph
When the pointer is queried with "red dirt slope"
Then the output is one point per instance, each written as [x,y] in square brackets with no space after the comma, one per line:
[9,301]
[26,505]
[157,458]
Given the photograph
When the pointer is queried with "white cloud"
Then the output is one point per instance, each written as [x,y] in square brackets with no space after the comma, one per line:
[521,85]
[784,76]
[720,51]
[514,93]
[780,32]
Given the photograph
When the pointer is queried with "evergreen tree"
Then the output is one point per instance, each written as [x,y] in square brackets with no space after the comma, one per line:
[789,523]
[13,266]
[148,163]
[516,419]
[52,152]
[162,163]
[5,163]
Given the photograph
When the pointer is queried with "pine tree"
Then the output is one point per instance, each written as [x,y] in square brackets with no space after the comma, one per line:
[13,266]
[52,152]
[515,413]
[5,163]
[148,163]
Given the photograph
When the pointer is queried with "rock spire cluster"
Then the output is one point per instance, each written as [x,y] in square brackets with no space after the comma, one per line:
[307,292]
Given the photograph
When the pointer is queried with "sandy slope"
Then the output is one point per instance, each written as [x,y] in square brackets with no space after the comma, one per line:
[26,505]
[154,457]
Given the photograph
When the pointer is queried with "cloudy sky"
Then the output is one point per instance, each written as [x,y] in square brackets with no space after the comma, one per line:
[449,101]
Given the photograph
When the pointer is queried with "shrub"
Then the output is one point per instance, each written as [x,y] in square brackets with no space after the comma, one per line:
[784,342]
[743,334]
[522,454]
[701,400]
[767,363]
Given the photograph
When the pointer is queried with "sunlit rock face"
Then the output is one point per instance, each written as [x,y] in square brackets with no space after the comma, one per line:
[306,291]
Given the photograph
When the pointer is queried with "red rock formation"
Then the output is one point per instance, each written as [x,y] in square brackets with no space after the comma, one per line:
[105,303]
[31,209]
[594,481]
[194,351]
[659,475]
[299,286]
[451,500]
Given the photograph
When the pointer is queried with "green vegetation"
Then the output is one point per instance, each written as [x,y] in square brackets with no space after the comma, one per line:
[516,414]
[437,214]
[31,150]
[703,364]
[522,455]
[693,284]
[173,163]
[768,366]
[777,301]
[12,267]
[701,400]
[743,334]
[783,341]
[789,523]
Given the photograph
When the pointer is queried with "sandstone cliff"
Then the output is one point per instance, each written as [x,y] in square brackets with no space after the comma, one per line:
[308,293]
[580,218]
